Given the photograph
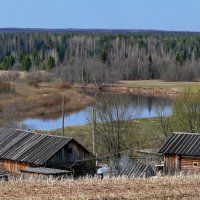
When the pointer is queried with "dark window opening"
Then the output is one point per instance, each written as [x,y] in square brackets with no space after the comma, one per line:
[195,164]
[69,150]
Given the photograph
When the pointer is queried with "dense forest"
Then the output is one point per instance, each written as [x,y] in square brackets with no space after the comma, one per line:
[104,57]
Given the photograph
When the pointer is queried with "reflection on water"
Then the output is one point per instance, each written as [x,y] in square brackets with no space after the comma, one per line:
[137,106]
[78,118]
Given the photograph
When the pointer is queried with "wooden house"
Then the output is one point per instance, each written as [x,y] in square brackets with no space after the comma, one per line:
[181,154]
[25,152]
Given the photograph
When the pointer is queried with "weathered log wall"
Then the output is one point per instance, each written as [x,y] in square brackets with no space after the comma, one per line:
[174,164]
[13,166]
[190,165]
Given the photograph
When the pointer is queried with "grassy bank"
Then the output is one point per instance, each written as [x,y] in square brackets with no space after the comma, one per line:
[159,84]
[156,88]
[144,133]
[42,99]
[121,188]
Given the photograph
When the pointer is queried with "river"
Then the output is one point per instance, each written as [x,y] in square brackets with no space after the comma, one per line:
[137,106]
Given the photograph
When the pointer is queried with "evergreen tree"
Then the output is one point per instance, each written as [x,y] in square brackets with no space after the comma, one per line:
[51,62]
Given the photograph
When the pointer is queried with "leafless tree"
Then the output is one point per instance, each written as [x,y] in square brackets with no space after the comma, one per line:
[111,127]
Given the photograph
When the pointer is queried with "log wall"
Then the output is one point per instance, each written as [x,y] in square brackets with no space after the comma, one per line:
[174,164]
[13,166]
[190,165]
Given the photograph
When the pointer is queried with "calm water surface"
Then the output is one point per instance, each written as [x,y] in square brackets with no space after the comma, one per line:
[137,107]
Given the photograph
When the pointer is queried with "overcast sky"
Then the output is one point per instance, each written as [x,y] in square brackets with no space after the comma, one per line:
[178,15]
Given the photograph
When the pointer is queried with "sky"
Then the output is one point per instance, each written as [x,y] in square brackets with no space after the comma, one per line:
[172,15]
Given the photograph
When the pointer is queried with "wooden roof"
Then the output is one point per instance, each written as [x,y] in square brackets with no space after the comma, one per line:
[26,146]
[137,171]
[187,144]
[45,171]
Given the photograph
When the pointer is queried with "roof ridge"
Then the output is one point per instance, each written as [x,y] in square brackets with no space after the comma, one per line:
[186,133]
[44,134]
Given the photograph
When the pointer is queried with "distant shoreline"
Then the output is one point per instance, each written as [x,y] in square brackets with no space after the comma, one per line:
[156,92]
[97,30]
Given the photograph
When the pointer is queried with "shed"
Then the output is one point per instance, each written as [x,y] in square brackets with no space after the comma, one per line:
[149,156]
[137,171]
[181,154]
[20,150]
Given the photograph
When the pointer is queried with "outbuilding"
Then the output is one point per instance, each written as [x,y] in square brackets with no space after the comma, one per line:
[25,152]
[181,154]
[136,170]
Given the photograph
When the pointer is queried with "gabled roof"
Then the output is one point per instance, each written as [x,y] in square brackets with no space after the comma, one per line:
[187,144]
[137,171]
[26,146]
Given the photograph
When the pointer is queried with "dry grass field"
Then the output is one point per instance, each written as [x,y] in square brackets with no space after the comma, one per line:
[122,188]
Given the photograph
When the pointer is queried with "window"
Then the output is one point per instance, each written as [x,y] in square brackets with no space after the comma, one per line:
[69,150]
[195,164]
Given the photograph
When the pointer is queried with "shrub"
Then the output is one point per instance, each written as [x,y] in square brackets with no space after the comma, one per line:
[64,85]
[33,82]
[6,88]
[51,100]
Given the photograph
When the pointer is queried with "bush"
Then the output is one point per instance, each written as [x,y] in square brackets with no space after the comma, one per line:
[33,82]
[51,100]
[64,85]
[36,77]
[6,88]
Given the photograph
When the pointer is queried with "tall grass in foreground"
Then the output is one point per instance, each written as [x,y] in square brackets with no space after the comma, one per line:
[115,188]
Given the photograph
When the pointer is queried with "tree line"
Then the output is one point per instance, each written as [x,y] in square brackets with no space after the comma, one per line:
[104,57]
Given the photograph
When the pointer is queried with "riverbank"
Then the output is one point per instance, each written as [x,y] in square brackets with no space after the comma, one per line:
[116,188]
[27,99]
[156,88]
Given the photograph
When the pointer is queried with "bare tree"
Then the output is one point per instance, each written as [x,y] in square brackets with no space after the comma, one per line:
[165,123]
[111,128]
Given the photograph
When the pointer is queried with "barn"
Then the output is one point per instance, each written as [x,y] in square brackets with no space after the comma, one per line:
[181,154]
[25,152]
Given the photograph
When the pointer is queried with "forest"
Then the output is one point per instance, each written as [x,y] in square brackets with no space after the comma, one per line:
[103,58]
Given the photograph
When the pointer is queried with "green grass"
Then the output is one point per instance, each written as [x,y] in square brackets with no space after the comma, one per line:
[82,134]
[144,133]
[175,86]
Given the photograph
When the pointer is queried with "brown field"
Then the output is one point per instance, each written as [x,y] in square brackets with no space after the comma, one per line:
[122,188]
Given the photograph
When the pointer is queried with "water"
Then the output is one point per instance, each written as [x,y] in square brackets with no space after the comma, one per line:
[137,107]
[77,118]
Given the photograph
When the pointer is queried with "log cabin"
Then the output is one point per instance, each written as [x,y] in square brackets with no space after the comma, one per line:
[181,154]
[25,152]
